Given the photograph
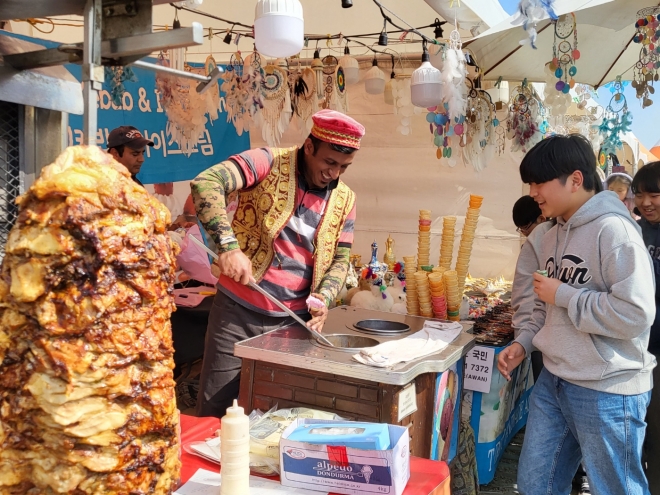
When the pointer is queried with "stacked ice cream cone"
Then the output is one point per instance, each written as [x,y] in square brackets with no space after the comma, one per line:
[447,243]
[424,294]
[412,299]
[450,280]
[424,239]
[438,293]
[467,239]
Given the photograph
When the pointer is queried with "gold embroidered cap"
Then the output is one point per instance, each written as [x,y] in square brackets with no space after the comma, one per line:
[337,128]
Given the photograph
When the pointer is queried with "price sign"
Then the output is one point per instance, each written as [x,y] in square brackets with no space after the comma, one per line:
[479,364]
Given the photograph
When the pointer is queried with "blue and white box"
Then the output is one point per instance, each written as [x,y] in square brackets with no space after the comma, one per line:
[343,469]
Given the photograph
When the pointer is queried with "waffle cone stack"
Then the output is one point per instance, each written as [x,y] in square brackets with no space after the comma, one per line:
[424,239]
[86,389]
[412,298]
[467,239]
[438,293]
[450,280]
[447,242]
[424,292]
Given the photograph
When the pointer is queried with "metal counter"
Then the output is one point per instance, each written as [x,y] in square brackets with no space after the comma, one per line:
[293,346]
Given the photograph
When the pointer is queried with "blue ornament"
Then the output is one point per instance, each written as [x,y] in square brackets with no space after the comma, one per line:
[450,131]
[572,71]
[438,118]
[443,118]
[430,117]
[461,119]
[566,89]
[496,122]
[559,72]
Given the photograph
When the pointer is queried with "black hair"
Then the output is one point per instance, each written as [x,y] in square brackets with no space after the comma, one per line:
[559,156]
[613,179]
[316,142]
[526,211]
[119,149]
[647,179]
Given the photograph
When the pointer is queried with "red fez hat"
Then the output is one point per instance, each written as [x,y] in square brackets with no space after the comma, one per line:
[337,128]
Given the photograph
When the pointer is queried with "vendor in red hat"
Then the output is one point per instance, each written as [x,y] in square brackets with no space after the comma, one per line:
[127,145]
[292,234]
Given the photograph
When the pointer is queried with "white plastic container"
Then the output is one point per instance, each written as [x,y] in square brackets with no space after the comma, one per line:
[279,28]
[234,452]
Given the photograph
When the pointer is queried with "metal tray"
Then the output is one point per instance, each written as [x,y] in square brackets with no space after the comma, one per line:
[382,327]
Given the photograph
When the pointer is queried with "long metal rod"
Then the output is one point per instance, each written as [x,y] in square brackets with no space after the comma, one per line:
[268,296]
[170,70]
[91,75]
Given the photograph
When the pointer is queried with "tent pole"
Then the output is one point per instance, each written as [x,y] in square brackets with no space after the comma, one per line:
[514,50]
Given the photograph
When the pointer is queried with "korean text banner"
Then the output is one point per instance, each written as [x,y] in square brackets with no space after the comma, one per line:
[164,162]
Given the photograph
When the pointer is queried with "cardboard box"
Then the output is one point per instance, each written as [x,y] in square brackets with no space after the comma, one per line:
[345,470]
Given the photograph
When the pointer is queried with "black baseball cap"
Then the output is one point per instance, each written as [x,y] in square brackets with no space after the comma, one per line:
[127,135]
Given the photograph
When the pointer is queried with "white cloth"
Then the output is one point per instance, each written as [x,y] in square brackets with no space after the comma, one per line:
[433,338]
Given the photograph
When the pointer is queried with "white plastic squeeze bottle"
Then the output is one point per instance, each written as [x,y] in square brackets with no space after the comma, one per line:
[235,452]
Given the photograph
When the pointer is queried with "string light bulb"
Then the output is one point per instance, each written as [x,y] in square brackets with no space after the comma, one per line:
[279,28]
[347,4]
[374,80]
[389,89]
[382,39]
[426,83]
[351,67]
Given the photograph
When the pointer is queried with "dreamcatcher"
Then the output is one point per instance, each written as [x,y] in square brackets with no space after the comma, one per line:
[252,94]
[646,68]
[116,77]
[276,113]
[304,98]
[330,64]
[525,119]
[212,95]
[616,121]
[242,88]
[453,77]
[340,100]
[530,12]
[560,71]
[231,87]
[479,142]
[184,106]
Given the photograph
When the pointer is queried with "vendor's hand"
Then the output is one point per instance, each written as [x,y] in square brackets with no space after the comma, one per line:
[235,265]
[318,315]
[509,359]
[546,287]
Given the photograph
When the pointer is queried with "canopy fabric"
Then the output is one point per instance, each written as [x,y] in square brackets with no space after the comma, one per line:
[470,13]
[605,29]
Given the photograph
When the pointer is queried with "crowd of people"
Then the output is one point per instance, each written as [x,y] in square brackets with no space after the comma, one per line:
[586,305]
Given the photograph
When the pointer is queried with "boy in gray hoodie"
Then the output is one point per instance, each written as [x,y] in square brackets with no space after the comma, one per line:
[591,322]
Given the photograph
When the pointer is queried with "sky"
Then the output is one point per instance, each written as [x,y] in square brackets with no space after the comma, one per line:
[645,121]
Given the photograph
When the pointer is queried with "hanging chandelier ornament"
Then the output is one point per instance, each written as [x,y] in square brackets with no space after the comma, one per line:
[564,53]
[525,124]
[646,68]
[616,121]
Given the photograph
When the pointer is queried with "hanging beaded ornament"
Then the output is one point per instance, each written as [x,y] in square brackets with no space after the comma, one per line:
[479,136]
[116,77]
[524,119]
[616,121]
[646,68]
[446,131]
[564,54]
[330,64]
[276,114]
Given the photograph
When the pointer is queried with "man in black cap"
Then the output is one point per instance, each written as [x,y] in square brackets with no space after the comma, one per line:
[126,145]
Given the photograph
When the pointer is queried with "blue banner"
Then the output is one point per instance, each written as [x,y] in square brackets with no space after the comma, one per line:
[140,108]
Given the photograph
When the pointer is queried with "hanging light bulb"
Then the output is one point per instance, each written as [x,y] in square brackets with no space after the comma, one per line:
[426,83]
[317,67]
[351,67]
[382,39]
[374,80]
[279,29]
[389,89]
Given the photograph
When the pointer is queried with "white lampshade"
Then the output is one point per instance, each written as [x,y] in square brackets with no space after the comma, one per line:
[351,69]
[426,86]
[279,29]
[374,81]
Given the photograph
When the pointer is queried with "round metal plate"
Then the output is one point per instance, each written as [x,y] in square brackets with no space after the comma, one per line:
[347,343]
[383,327]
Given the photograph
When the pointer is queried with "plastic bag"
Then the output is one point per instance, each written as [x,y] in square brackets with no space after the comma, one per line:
[193,259]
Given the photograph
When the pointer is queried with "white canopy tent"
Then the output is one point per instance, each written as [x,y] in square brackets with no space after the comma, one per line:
[605,29]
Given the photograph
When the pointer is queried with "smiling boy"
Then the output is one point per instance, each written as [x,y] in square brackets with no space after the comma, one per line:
[592,324]
[646,189]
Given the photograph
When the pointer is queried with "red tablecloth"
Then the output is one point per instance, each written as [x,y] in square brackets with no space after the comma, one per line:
[426,477]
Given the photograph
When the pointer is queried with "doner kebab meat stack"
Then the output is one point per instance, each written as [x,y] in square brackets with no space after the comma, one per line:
[87,401]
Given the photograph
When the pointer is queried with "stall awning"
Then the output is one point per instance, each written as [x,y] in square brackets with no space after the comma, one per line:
[53,88]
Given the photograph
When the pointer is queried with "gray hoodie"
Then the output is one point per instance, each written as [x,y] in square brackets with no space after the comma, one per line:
[597,333]
[523,298]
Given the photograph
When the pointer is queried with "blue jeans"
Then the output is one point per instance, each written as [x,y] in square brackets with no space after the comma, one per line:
[568,423]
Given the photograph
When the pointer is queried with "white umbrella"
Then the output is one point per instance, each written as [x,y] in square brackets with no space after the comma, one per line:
[605,29]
